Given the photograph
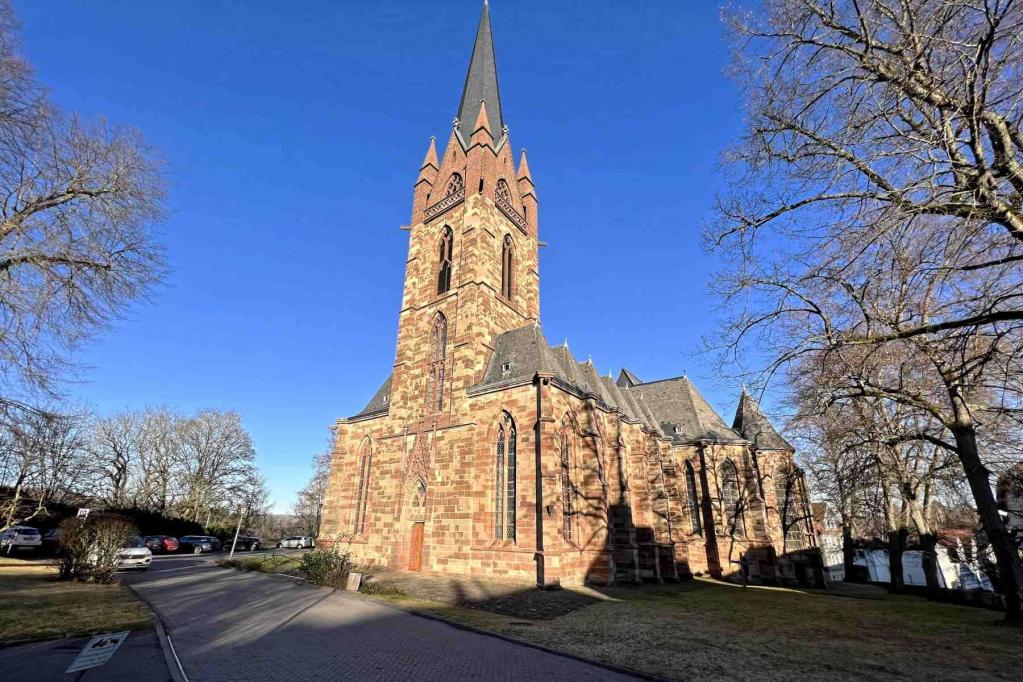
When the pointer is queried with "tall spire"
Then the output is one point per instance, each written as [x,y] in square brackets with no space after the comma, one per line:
[481,83]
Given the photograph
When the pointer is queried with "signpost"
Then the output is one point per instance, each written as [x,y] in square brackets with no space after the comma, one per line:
[83,513]
[98,651]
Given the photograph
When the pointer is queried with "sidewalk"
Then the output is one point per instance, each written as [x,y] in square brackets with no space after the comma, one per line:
[139,659]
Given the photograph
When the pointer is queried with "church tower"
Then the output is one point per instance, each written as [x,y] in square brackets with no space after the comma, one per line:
[472,269]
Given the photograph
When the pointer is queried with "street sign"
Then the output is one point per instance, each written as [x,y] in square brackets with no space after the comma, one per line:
[83,513]
[98,651]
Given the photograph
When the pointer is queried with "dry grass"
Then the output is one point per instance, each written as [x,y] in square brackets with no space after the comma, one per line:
[35,605]
[704,629]
[270,564]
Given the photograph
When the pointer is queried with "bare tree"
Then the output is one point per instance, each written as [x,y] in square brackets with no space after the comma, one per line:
[78,202]
[309,506]
[216,462]
[875,223]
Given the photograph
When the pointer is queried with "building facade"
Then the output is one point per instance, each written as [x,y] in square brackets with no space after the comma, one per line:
[486,451]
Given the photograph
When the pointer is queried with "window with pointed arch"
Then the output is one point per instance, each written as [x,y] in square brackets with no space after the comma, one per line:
[455,184]
[785,492]
[438,349]
[695,524]
[502,191]
[567,490]
[504,496]
[362,494]
[730,501]
[447,244]
[507,251]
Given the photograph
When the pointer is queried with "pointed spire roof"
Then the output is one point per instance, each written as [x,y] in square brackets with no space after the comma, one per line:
[482,120]
[431,155]
[481,82]
[524,173]
[755,427]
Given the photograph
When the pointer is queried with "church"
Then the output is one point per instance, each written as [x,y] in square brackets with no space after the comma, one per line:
[488,452]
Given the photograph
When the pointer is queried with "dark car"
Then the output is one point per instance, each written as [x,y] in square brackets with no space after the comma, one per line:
[248,543]
[161,544]
[197,544]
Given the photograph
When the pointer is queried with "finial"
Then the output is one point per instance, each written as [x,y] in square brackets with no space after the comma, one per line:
[456,123]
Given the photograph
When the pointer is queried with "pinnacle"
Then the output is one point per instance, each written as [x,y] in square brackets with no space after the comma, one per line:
[524,168]
[431,154]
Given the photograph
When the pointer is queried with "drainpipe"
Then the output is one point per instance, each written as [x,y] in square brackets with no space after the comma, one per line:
[543,379]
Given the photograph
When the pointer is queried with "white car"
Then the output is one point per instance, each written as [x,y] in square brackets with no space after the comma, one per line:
[135,555]
[20,538]
[296,542]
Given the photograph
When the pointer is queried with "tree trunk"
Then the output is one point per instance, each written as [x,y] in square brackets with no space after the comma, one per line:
[896,546]
[1010,568]
[848,553]
[929,554]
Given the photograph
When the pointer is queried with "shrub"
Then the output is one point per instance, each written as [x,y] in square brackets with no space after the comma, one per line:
[89,547]
[328,567]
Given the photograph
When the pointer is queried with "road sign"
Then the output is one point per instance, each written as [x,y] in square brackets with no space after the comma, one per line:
[98,651]
[83,513]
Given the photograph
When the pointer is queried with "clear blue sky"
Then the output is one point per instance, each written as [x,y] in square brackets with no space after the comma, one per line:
[293,133]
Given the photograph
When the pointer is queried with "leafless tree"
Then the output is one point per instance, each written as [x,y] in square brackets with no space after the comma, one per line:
[309,506]
[78,201]
[875,220]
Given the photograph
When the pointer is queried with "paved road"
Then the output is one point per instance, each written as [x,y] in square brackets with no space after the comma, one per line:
[228,625]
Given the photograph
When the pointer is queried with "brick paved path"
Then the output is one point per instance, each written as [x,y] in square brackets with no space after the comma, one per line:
[227,625]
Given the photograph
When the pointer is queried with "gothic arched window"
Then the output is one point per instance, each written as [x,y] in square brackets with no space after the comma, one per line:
[504,502]
[365,455]
[567,491]
[506,267]
[455,184]
[438,349]
[730,500]
[502,191]
[694,502]
[447,242]
[785,493]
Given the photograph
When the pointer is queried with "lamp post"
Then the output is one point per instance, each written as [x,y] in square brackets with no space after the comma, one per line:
[238,528]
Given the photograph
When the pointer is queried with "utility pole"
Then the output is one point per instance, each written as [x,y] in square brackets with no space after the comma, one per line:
[241,515]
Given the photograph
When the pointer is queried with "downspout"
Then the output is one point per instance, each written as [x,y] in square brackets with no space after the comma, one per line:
[542,380]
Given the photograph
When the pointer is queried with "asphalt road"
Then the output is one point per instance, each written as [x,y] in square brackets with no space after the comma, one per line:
[230,625]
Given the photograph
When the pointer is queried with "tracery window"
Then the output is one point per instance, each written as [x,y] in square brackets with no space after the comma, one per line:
[695,524]
[567,491]
[504,502]
[502,191]
[506,267]
[438,349]
[785,492]
[730,500]
[364,461]
[455,184]
[447,242]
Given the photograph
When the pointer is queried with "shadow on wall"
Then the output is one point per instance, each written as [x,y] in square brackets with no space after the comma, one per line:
[631,553]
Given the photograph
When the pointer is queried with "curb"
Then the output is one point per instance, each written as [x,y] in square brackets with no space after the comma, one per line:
[514,640]
[170,656]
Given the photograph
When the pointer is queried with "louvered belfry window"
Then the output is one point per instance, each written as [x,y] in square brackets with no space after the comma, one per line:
[447,242]
[438,349]
[506,267]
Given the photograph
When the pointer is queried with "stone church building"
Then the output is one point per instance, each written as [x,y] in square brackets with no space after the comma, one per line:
[489,452]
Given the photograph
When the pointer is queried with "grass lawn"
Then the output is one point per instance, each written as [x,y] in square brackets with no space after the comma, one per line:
[35,605]
[270,564]
[703,629]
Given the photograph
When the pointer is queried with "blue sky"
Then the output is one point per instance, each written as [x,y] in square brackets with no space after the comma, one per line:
[293,133]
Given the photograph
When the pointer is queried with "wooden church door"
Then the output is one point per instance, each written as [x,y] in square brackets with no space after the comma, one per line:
[415,560]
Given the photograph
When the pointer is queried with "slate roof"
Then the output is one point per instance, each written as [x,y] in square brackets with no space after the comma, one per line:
[481,84]
[754,425]
[380,401]
[676,403]
[660,405]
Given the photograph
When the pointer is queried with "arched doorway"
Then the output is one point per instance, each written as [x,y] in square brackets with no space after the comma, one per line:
[416,515]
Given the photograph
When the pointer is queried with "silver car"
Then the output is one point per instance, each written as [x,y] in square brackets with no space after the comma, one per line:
[297,542]
[135,555]
[18,538]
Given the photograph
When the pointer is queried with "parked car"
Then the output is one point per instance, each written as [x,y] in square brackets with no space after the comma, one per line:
[161,544]
[20,538]
[196,544]
[245,542]
[51,541]
[296,542]
[135,555]
[213,541]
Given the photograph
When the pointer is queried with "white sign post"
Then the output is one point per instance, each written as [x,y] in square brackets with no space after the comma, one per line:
[98,651]
[83,513]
